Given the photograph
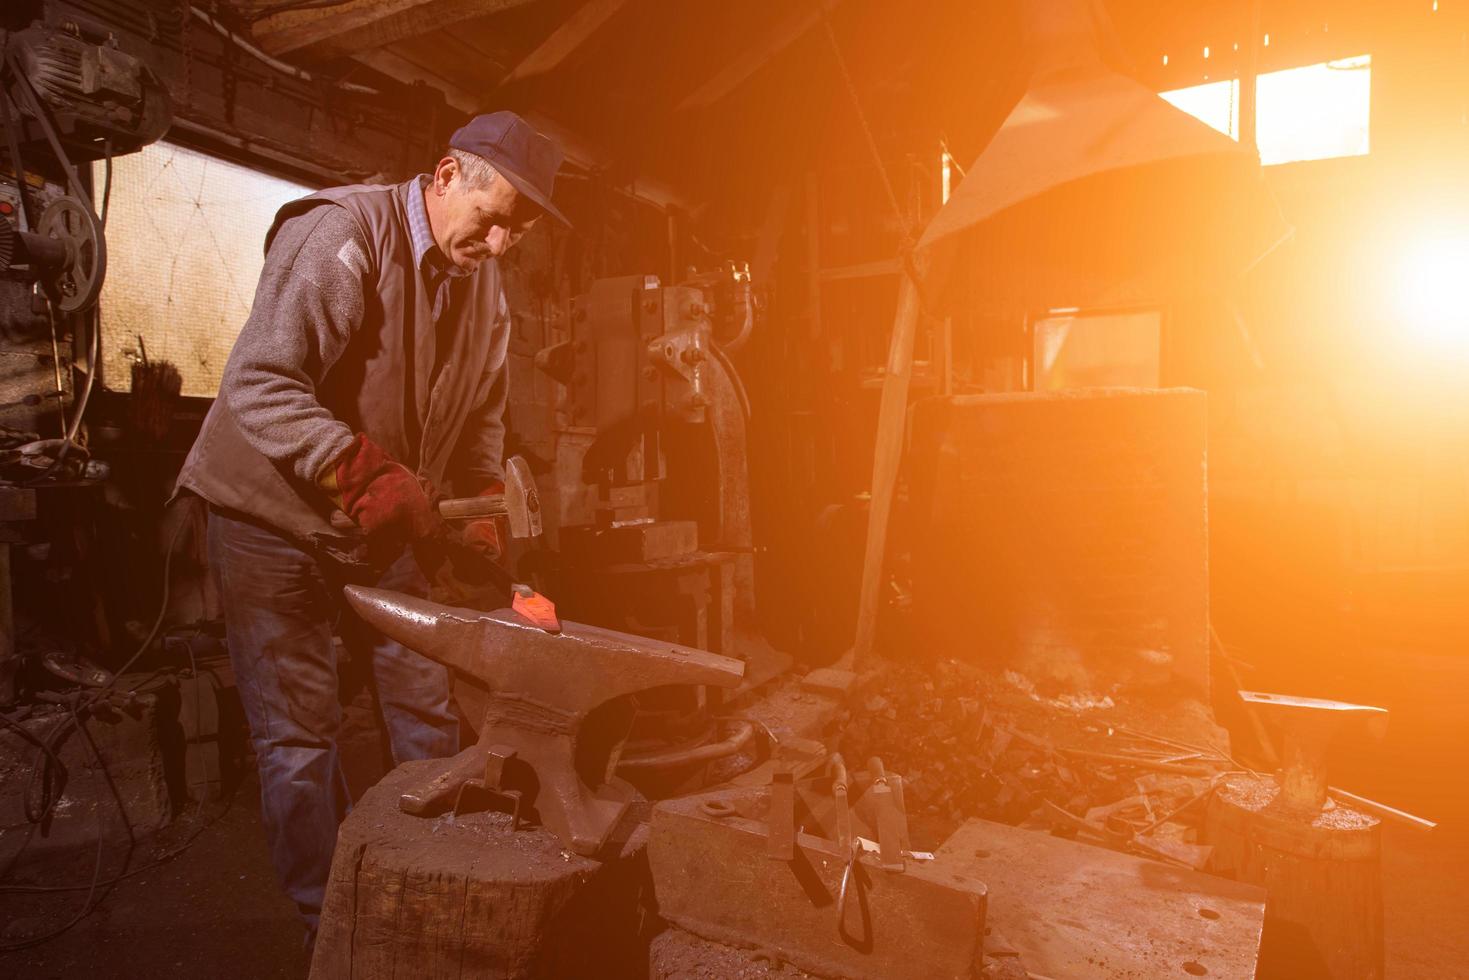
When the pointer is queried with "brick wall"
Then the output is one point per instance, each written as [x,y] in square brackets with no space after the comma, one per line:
[1065,534]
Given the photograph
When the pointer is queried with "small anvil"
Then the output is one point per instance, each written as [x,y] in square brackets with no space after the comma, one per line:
[541,688]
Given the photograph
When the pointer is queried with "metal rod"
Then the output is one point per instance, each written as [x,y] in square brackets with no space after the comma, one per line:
[1139,763]
[1381,809]
[673,758]
[1176,811]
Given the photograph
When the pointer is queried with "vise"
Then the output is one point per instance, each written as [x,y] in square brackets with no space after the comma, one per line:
[555,711]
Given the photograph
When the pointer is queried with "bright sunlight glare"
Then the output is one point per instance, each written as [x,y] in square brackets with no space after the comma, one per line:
[1434,291]
[1310,113]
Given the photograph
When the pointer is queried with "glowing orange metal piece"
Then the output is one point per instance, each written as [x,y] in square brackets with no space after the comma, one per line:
[537,608]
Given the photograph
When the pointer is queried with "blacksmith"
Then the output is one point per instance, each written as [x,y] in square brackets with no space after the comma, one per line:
[369,380]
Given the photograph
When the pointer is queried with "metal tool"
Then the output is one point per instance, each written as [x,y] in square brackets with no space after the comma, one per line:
[1309,725]
[872,820]
[780,838]
[885,797]
[493,784]
[830,910]
[541,687]
[836,767]
[520,503]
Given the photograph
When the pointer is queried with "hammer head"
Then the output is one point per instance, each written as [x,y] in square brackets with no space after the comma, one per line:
[522,499]
[520,503]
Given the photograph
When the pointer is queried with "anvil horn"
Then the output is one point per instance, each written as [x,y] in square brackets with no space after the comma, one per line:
[446,634]
[577,669]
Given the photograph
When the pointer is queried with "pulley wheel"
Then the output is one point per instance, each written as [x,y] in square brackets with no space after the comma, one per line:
[78,284]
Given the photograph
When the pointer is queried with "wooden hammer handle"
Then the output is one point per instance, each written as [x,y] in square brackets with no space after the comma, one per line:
[469,508]
[451,509]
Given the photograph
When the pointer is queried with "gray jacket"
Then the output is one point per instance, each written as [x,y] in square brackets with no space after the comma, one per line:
[341,339]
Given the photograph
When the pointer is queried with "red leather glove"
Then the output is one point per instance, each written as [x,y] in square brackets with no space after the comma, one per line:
[379,493]
[483,535]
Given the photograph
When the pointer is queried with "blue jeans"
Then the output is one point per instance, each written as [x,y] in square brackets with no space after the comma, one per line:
[279,605]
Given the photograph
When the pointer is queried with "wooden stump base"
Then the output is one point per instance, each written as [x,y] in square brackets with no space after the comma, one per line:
[466,896]
[1322,875]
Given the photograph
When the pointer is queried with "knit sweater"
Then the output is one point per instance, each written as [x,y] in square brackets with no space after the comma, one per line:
[309,303]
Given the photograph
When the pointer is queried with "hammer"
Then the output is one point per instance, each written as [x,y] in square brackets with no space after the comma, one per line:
[521,503]
[1309,725]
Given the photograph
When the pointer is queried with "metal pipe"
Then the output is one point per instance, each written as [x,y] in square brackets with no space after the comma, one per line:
[256,148]
[675,758]
[275,63]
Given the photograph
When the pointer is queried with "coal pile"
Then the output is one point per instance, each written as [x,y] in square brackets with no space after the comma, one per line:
[972,742]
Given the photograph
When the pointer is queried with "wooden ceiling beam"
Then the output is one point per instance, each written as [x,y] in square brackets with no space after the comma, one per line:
[579,152]
[571,35]
[772,42]
[364,25]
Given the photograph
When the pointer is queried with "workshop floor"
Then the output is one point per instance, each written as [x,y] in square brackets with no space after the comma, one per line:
[215,910]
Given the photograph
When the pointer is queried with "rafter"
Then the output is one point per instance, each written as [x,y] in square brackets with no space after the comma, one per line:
[579,151]
[571,35]
[364,25]
[773,42]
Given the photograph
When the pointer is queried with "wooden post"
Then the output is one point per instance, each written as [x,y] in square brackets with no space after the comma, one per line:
[813,256]
[891,419]
[17,505]
[1249,82]
[9,655]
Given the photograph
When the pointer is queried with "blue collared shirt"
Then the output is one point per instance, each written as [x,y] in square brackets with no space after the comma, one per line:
[433,265]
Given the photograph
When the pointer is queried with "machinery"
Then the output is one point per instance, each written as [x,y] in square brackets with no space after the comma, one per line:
[68,95]
[634,421]
[646,488]
[101,100]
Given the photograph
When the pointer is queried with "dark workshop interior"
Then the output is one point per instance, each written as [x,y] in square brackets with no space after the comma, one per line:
[689,490]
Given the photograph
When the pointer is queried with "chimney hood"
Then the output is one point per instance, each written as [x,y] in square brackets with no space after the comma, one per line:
[1096,192]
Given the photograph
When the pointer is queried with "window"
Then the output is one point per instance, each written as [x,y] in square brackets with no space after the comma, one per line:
[1312,113]
[1216,103]
[185,237]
